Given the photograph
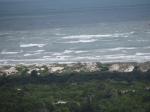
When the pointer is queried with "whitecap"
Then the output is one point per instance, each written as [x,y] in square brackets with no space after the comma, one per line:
[81,41]
[46,56]
[32,45]
[39,51]
[148,32]
[147,47]
[142,54]
[140,40]
[59,34]
[4,52]
[85,58]
[98,36]
[77,52]
[121,48]
[56,58]
[28,54]
[74,51]
[56,54]
[68,51]
[84,36]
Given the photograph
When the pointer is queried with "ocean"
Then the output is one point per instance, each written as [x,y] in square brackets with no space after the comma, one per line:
[66,31]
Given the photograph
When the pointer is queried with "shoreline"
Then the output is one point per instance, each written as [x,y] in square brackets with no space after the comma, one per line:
[62,68]
[72,62]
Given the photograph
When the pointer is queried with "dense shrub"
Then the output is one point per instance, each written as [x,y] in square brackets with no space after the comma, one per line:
[78,92]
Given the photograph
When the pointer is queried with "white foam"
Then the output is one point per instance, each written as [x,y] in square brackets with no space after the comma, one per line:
[142,54]
[39,51]
[97,36]
[148,47]
[81,41]
[121,48]
[57,58]
[32,45]
[68,51]
[126,58]
[141,40]
[77,52]
[112,57]
[46,57]
[4,33]
[73,51]
[62,57]
[65,58]
[4,52]
[148,32]
[57,54]
[28,54]
[84,36]
[59,34]
[85,58]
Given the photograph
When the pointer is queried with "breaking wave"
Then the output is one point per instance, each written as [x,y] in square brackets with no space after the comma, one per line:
[68,58]
[121,48]
[98,36]
[32,45]
[4,52]
[81,41]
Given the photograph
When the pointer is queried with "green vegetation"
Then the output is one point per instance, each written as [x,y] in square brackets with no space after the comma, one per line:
[103,67]
[76,92]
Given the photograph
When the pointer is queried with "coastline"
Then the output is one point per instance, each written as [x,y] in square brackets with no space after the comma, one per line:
[67,68]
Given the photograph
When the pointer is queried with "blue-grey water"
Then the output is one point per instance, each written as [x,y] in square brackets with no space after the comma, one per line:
[49,31]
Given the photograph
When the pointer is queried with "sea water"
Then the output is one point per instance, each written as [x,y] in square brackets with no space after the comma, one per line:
[62,31]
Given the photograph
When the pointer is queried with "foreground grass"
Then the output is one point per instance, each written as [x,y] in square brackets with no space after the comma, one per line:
[85,92]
